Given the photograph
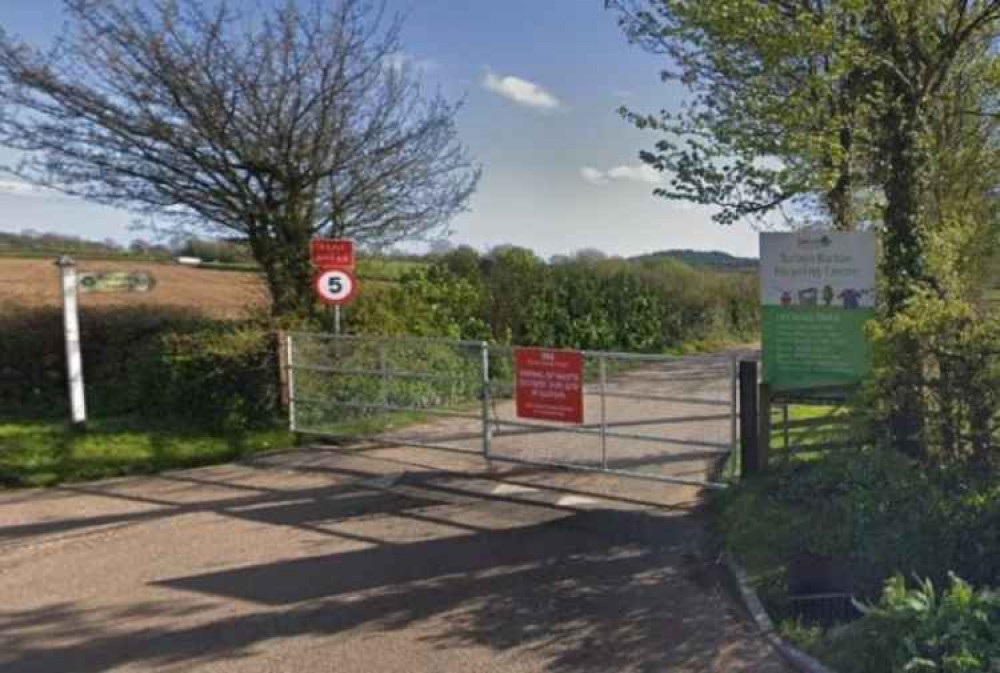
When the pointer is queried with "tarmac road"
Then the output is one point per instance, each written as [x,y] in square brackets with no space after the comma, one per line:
[376,560]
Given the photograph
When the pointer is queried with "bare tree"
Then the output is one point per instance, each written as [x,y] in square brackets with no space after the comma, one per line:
[276,126]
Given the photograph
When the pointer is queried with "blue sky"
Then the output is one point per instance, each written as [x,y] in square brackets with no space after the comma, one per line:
[542,80]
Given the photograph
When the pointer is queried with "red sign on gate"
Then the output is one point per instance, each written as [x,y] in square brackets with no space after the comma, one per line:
[332,253]
[549,384]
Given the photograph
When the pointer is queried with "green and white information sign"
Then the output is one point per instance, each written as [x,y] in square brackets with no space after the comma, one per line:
[817,292]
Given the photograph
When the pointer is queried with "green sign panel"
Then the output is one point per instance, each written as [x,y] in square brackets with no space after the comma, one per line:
[817,293]
[116,281]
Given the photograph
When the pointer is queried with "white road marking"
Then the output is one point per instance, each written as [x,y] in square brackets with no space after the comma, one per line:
[511,489]
[574,500]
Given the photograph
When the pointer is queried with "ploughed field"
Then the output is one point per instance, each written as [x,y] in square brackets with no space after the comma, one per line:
[224,294]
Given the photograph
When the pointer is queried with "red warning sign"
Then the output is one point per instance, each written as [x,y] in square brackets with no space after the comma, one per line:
[549,384]
[332,253]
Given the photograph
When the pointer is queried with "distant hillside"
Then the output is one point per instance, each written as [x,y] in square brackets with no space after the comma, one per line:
[713,259]
[47,244]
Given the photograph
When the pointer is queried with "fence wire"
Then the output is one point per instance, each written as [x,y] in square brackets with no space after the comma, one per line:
[659,417]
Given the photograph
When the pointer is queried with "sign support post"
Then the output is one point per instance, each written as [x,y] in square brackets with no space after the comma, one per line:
[487,401]
[71,328]
[336,319]
[749,419]
[604,412]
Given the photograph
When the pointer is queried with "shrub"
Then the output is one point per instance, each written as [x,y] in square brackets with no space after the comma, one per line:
[872,508]
[116,343]
[143,360]
[919,629]
[942,355]
[420,375]
[222,375]
[425,302]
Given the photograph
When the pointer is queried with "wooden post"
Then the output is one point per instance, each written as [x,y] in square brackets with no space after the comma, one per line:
[784,420]
[283,367]
[748,418]
[764,427]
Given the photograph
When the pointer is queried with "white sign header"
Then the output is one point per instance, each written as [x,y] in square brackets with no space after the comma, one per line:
[818,268]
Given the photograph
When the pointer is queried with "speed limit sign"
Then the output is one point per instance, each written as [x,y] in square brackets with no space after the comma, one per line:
[335,286]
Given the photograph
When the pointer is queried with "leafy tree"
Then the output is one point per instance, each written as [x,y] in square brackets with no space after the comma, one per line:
[590,255]
[775,106]
[835,98]
[463,261]
[297,121]
[514,276]
[927,52]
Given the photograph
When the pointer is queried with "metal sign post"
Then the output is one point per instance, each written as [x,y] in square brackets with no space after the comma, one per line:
[71,326]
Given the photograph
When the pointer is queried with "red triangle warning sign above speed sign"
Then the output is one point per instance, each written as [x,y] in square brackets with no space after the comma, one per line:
[335,286]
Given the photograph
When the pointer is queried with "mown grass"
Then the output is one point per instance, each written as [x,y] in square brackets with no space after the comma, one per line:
[45,452]
[812,430]
[362,427]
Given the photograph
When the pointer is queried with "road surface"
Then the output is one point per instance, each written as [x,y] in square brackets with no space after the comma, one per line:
[375,560]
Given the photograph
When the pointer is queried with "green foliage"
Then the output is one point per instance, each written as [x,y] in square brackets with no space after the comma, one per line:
[144,361]
[918,628]
[115,341]
[511,296]
[870,507]
[45,453]
[385,268]
[425,374]
[32,243]
[773,111]
[221,375]
[804,636]
[430,303]
[710,259]
[956,382]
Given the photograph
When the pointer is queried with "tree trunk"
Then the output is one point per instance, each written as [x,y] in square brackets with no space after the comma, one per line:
[840,199]
[903,261]
[287,270]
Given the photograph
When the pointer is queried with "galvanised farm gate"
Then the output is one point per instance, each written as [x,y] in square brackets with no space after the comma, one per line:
[656,417]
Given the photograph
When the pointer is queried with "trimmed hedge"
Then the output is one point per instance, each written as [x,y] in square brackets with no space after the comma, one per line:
[142,360]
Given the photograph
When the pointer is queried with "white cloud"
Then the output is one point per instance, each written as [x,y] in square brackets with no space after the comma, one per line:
[593,176]
[521,91]
[636,173]
[631,173]
[18,188]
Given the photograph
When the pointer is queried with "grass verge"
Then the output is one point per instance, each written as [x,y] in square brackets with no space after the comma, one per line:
[362,427]
[45,452]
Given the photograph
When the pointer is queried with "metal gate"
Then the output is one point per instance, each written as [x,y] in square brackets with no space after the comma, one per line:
[655,417]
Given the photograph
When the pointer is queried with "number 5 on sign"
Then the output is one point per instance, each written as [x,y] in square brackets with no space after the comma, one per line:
[335,286]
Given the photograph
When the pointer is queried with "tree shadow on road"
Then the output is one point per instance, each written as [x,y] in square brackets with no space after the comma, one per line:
[588,592]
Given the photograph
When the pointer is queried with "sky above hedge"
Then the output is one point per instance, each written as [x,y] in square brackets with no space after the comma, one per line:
[542,81]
